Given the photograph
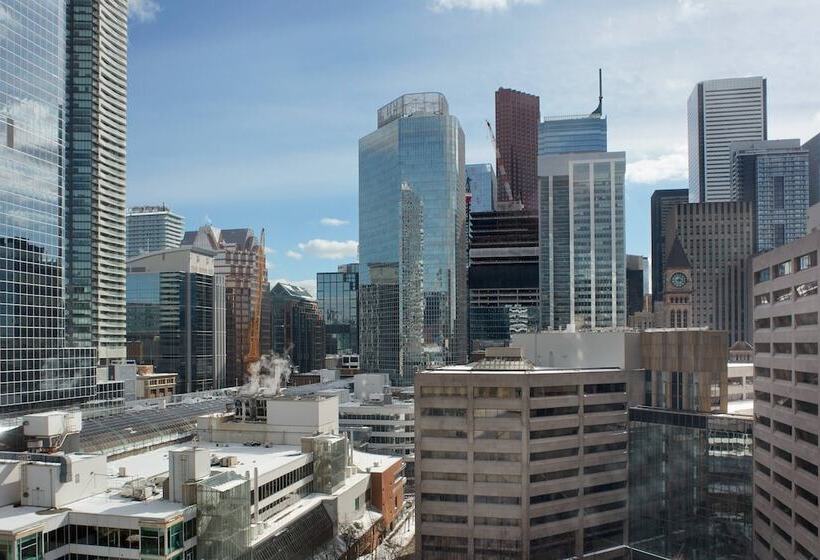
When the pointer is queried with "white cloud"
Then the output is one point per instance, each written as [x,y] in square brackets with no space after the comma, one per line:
[333,222]
[270,250]
[327,249]
[143,10]
[667,167]
[294,255]
[478,5]
[308,284]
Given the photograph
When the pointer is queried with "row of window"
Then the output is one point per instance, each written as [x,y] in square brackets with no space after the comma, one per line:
[798,348]
[146,539]
[807,377]
[799,434]
[534,413]
[803,262]
[278,484]
[534,434]
[782,321]
[787,402]
[516,392]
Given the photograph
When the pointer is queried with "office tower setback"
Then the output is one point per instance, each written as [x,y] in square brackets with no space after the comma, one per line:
[176,316]
[516,123]
[774,176]
[298,328]
[787,431]
[581,223]
[721,112]
[717,239]
[514,461]
[503,277]
[481,182]
[152,228]
[637,282]
[37,369]
[411,171]
[237,260]
[574,133]
[95,135]
[813,147]
[338,297]
[663,203]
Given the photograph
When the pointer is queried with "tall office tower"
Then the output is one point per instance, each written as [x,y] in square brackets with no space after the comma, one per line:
[176,316]
[514,461]
[787,431]
[298,328]
[237,260]
[481,182]
[338,297]
[581,223]
[36,367]
[97,41]
[637,276]
[721,112]
[813,147]
[774,176]
[663,203]
[417,144]
[503,277]
[574,133]
[152,228]
[717,239]
[516,124]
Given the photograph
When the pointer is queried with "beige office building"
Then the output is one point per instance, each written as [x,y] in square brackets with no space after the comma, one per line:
[787,427]
[514,461]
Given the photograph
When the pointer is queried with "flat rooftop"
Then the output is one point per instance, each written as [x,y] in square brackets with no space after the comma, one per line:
[514,368]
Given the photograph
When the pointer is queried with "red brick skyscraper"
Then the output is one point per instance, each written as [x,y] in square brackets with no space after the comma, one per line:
[516,122]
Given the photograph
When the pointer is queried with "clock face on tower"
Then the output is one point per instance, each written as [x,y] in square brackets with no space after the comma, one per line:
[678,280]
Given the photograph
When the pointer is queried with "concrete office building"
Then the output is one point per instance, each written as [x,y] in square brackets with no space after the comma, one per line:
[721,112]
[774,176]
[95,162]
[237,261]
[411,180]
[481,183]
[338,296]
[516,124]
[787,396]
[581,234]
[176,316]
[662,205]
[813,147]
[717,239]
[152,228]
[514,461]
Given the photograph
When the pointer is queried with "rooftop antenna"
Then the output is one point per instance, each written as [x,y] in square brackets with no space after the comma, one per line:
[599,111]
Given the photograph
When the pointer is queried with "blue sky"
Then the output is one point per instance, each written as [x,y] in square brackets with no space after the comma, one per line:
[248,112]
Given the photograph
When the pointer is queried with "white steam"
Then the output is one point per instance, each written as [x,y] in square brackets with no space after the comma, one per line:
[267,375]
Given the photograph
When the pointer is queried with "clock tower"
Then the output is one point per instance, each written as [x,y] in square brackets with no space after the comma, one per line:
[677,288]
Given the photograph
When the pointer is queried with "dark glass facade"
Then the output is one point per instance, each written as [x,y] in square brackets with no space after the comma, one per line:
[176,323]
[411,173]
[481,182]
[690,485]
[338,297]
[36,367]
[636,281]
[663,203]
[298,330]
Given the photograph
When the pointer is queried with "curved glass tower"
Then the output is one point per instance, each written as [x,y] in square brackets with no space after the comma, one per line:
[411,171]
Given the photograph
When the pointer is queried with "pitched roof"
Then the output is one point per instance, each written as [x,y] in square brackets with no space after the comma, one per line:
[677,257]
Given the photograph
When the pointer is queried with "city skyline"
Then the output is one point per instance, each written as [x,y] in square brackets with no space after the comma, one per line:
[272,158]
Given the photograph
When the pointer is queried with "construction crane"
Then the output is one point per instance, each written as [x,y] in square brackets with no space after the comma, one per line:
[508,203]
[254,352]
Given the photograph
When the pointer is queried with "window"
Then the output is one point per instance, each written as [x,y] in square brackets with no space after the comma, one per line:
[605,507]
[497,478]
[764,420]
[807,466]
[610,407]
[496,413]
[782,269]
[542,519]
[807,407]
[606,467]
[554,496]
[806,495]
[804,436]
[805,348]
[761,372]
[497,522]
[441,518]
[604,388]
[455,434]
[444,391]
[782,374]
[603,536]
[763,444]
[449,455]
[558,411]
[599,428]
[175,539]
[762,276]
[503,500]
[779,193]
[804,319]
[152,541]
[443,411]
[779,235]
[763,299]
[807,377]
[763,396]
[763,323]
[782,347]
[806,289]
[782,321]
[806,524]
[453,477]
[783,454]
[491,456]
[556,454]
[556,391]
[554,475]
[491,434]
[603,448]
[497,392]
[781,427]
[762,348]
[597,489]
[458,498]
[807,261]
[556,432]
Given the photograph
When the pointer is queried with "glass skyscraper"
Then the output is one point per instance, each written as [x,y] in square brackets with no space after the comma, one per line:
[97,45]
[579,133]
[338,297]
[176,316]
[774,175]
[581,222]
[152,228]
[417,144]
[481,181]
[36,367]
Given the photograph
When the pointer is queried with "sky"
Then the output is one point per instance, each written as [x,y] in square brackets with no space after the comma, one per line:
[247,113]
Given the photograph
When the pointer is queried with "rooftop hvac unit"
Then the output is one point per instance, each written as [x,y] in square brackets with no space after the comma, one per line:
[229,461]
